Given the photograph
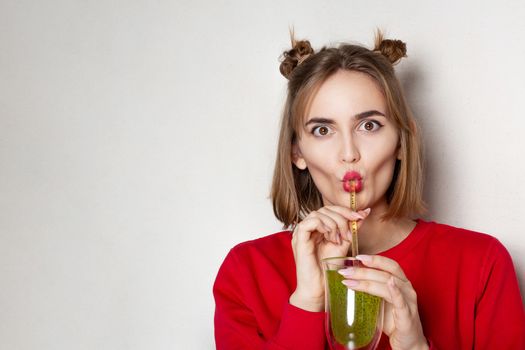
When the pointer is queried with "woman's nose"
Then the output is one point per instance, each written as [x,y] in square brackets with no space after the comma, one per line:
[349,150]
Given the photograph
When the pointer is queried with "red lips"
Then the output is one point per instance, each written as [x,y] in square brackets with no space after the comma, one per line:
[352,176]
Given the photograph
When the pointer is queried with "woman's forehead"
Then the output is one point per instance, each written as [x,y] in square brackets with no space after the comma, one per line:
[348,90]
[348,95]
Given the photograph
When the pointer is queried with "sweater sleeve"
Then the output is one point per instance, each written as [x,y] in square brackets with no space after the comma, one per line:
[237,327]
[500,317]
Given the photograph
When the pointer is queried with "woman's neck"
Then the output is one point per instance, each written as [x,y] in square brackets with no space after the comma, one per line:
[377,235]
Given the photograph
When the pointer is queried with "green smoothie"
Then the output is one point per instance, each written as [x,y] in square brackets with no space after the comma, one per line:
[363,328]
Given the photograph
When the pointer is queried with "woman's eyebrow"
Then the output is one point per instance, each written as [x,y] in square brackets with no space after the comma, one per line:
[368,114]
[358,116]
[320,121]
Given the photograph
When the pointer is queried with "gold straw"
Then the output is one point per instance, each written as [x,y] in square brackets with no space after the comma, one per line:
[353,223]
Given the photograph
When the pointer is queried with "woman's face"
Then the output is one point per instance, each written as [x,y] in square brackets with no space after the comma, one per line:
[346,129]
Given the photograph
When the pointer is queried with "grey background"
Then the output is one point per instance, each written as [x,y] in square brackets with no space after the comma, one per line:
[137,142]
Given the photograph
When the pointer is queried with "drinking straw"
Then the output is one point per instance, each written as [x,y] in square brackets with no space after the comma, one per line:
[353,223]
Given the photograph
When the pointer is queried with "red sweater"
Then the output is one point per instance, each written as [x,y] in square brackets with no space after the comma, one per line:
[468,295]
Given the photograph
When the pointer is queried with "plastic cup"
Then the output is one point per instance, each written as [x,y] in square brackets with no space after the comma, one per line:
[354,320]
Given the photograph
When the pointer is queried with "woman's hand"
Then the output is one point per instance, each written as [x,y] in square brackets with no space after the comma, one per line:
[323,233]
[384,277]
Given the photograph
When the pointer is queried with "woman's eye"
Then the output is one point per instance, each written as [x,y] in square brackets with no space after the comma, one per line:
[370,125]
[322,130]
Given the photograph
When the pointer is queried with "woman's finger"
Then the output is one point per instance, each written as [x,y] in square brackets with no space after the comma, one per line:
[333,234]
[383,263]
[323,224]
[343,215]
[364,273]
[341,221]
[303,231]
[348,213]
[401,310]
[378,289]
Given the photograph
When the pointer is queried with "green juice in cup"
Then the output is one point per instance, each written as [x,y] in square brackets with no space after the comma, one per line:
[353,315]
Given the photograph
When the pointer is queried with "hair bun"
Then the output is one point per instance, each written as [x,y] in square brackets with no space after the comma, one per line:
[303,48]
[393,50]
[300,51]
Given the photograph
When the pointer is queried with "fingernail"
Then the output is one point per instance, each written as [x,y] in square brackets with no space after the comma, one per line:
[350,283]
[367,211]
[349,271]
[364,258]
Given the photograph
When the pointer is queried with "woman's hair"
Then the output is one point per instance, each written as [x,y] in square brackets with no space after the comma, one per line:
[293,192]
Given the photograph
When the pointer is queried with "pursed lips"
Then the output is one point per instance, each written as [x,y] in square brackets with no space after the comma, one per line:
[352,176]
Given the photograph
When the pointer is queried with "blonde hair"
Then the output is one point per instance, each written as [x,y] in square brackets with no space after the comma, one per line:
[293,191]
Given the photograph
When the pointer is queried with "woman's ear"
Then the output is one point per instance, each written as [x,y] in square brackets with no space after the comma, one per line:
[399,152]
[297,157]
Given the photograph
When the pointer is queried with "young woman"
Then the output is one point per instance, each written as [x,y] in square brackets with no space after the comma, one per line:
[346,118]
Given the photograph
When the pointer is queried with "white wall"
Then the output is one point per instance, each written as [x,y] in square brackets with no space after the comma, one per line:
[137,142]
